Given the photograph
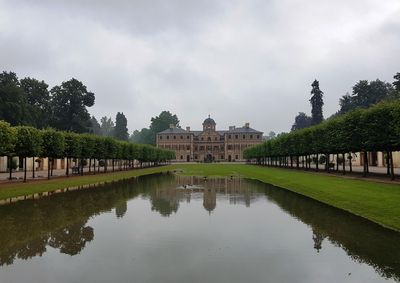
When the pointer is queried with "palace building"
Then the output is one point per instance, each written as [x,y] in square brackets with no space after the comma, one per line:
[209,144]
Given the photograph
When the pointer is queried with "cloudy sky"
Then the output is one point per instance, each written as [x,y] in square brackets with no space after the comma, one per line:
[240,61]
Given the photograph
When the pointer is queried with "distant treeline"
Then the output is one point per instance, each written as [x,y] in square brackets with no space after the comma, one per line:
[363,130]
[25,142]
[364,94]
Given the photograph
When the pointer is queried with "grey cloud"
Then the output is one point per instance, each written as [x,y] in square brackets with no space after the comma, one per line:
[240,61]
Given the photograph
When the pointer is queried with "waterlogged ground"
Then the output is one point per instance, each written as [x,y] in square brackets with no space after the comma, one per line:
[164,228]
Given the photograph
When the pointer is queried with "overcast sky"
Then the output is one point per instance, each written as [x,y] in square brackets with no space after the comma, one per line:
[240,61]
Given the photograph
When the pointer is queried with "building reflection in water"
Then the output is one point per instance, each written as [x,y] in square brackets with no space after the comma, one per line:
[166,199]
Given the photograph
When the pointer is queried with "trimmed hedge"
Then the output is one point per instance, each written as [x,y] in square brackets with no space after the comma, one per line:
[364,130]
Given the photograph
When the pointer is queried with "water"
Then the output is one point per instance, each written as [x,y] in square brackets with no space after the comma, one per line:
[153,229]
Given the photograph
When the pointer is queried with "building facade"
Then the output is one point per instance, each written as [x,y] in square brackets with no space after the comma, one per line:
[210,144]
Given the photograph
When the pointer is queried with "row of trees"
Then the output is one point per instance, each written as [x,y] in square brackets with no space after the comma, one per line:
[28,142]
[363,130]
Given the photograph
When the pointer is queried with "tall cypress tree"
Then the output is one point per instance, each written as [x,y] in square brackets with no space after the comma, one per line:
[316,104]
[121,130]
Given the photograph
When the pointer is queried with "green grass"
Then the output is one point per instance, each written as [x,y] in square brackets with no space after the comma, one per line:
[378,202]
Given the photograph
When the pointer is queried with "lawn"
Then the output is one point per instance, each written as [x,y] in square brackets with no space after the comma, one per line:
[378,202]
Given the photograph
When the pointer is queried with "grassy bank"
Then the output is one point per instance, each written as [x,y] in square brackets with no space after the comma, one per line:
[378,202]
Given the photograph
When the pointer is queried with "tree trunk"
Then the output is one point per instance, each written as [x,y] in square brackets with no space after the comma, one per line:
[391,165]
[33,168]
[337,162]
[94,166]
[113,164]
[25,169]
[316,164]
[81,167]
[9,161]
[365,163]
[327,162]
[67,170]
[90,165]
[387,162]
[48,168]
[344,163]
[351,164]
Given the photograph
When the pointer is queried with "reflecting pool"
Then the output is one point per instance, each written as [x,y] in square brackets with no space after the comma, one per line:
[167,228]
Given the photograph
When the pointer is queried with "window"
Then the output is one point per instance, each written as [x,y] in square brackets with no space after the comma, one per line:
[222,157]
[188,147]
[236,156]
[258,136]
[209,139]
[201,147]
[187,137]
[216,138]
[208,147]
[181,156]
[222,147]
[181,137]
[229,136]
[167,137]
[244,136]
[160,137]
[195,157]
[236,136]
[195,148]
[229,147]
[174,137]
[202,138]
[216,147]
[251,137]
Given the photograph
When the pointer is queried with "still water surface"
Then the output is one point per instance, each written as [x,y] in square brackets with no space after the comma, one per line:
[153,229]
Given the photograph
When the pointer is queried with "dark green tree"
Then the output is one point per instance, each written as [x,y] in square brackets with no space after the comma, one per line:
[94,126]
[69,102]
[52,147]
[121,130]
[365,94]
[12,100]
[38,102]
[28,144]
[107,126]
[316,104]
[396,83]
[301,121]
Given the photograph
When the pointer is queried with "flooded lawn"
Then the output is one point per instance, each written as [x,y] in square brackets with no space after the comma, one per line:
[166,228]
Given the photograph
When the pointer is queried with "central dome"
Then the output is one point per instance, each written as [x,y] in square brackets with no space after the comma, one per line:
[209,121]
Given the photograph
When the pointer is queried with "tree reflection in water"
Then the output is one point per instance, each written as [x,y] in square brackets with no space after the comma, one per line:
[59,221]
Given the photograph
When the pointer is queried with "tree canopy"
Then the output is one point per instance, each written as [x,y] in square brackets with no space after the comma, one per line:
[121,130]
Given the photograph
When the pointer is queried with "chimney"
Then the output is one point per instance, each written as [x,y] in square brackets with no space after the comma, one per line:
[171,126]
[247,125]
[231,128]
[188,129]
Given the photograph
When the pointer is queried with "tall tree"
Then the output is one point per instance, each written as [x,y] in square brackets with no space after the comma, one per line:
[301,121]
[366,94]
[107,126]
[38,102]
[12,100]
[161,123]
[69,102]
[396,83]
[121,130]
[316,103]
[95,127]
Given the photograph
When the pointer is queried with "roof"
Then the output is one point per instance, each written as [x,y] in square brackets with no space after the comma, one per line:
[174,131]
[209,121]
[222,132]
